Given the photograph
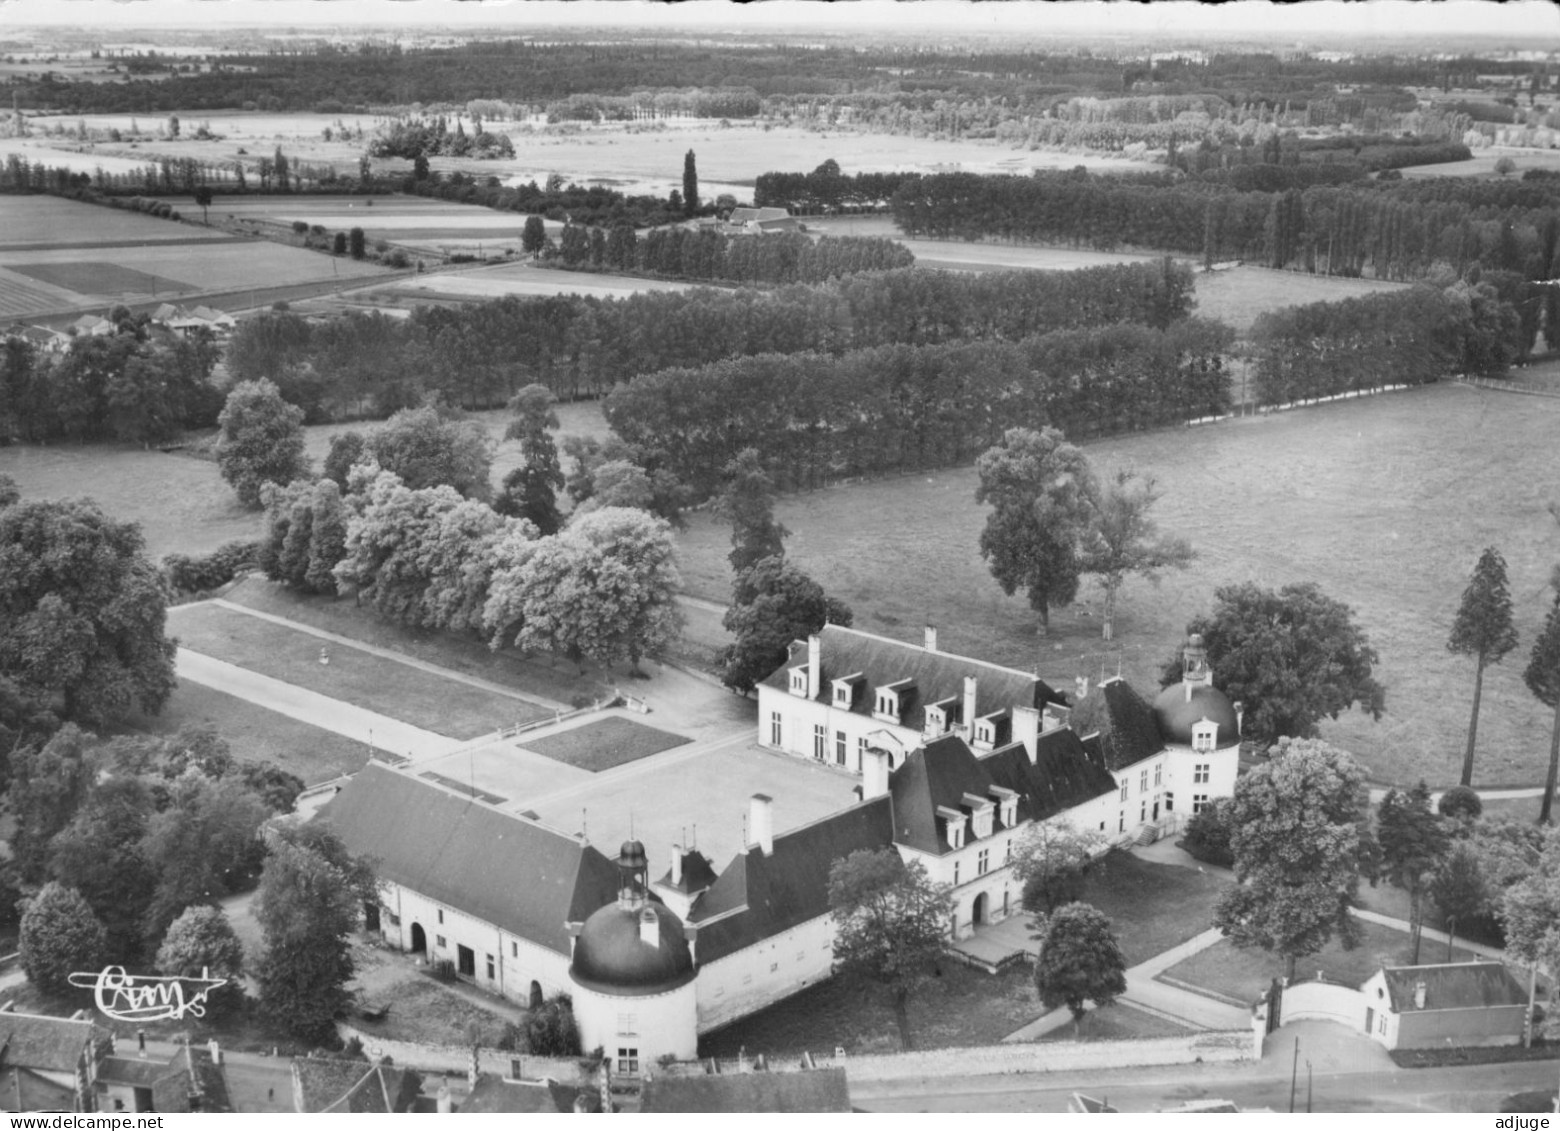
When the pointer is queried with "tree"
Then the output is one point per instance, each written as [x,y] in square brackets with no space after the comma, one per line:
[49,783]
[1292,657]
[1543,679]
[1037,483]
[1483,630]
[310,897]
[346,449]
[531,490]
[60,936]
[98,854]
[355,243]
[203,196]
[1208,834]
[1414,844]
[1460,803]
[1079,960]
[1530,911]
[748,501]
[1050,860]
[84,612]
[773,603]
[338,244]
[1505,166]
[261,440]
[1120,539]
[551,1030]
[533,236]
[690,188]
[425,449]
[1458,888]
[890,921]
[605,588]
[1301,839]
[201,943]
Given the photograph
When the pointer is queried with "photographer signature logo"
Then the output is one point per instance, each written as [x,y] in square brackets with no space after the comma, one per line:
[142,997]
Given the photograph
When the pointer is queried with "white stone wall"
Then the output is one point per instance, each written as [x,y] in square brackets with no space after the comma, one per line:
[1222,766]
[800,715]
[655,1025]
[1322,1001]
[1059,1056]
[756,976]
[970,885]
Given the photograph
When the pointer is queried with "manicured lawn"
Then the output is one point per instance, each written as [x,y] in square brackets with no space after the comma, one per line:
[1241,294]
[961,1007]
[1245,974]
[253,732]
[1152,907]
[390,688]
[554,681]
[1384,501]
[1118,1022]
[604,743]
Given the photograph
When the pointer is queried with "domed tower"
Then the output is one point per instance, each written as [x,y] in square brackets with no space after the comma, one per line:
[1201,729]
[634,975]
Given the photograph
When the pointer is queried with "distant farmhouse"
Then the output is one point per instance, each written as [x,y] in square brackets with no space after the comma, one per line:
[956,758]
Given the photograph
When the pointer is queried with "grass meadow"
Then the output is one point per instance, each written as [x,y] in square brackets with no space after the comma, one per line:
[1386,502]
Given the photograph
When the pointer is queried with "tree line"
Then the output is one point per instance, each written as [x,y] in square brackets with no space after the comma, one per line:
[418,137]
[1395,232]
[480,354]
[815,418]
[826,189]
[777,258]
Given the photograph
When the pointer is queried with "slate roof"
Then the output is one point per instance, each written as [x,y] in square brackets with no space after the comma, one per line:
[697,873]
[815,1090]
[339,1086]
[495,866]
[48,1044]
[936,675]
[937,775]
[495,1095]
[22,1089]
[192,1081]
[132,1071]
[1125,724]
[1458,985]
[758,896]
[1062,776]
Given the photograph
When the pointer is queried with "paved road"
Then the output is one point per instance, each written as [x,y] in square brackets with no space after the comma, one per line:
[379,731]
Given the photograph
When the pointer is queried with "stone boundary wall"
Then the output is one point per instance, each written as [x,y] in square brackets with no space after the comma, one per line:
[1323,1001]
[1208,1048]
[447,1058]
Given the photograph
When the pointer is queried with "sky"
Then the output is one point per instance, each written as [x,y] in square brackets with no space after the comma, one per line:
[1538,20]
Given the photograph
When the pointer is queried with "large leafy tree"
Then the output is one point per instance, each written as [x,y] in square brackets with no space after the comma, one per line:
[1543,679]
[890,921]
[99,855]
[604,588]
[1050,860]
[1301,839]
[1080,960]
[1293,657]
[1120,539]
[748,501]
[1414,843]
[1037,484]
[531,490]
[773,603]
[1530,911]
[427,450]
[202,942]
[311,894]
[690,190]
[261,440]
[60,936]
[1459,889]
[1483,630]
[83,611]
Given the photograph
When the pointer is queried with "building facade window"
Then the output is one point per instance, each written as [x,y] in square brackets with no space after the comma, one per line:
[1143,782]
[1123,789]
[955,871]
[492,969]
[861,752]
[774,729]
[1200,773]
[1199,802]
[441,916]
[514,950]
[1158,766]
[628,1024]
[983,862]
[1142,811]
[438,940]
[841,742]
[628,1061]
[820,741]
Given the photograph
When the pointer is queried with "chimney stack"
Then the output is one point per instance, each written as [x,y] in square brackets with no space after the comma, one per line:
[761,822]
[814,665]
[969,707]
[874,773]
[677,855]
[1081,687]
[931,638]
[1026,729]
[1240,719]
[649,928]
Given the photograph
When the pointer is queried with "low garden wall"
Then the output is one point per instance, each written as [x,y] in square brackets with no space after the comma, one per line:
[1323,1001]
[1208,1048]
[447,1058]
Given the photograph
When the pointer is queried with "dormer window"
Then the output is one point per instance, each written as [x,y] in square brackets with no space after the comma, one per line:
[953,822]
[1007,805]
[982,810]
[1205,736]
[889,702]
[799,681]
[985,735]
[845,690]
[936,722]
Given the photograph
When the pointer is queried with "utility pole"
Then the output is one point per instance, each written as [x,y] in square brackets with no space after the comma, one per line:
[1294,1076]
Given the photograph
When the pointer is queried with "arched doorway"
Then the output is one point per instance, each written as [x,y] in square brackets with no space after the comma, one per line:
[536,995]
[979,913]
[419,939]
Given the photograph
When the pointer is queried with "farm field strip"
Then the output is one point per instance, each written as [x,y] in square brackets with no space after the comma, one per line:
[518,279]
[29,221]
[1241,294]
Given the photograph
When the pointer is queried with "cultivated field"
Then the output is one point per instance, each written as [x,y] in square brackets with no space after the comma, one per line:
[1385,502]
[408,220]
[1483,163]
[959,255]
[1240,294]
[512,279]
[58,254]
